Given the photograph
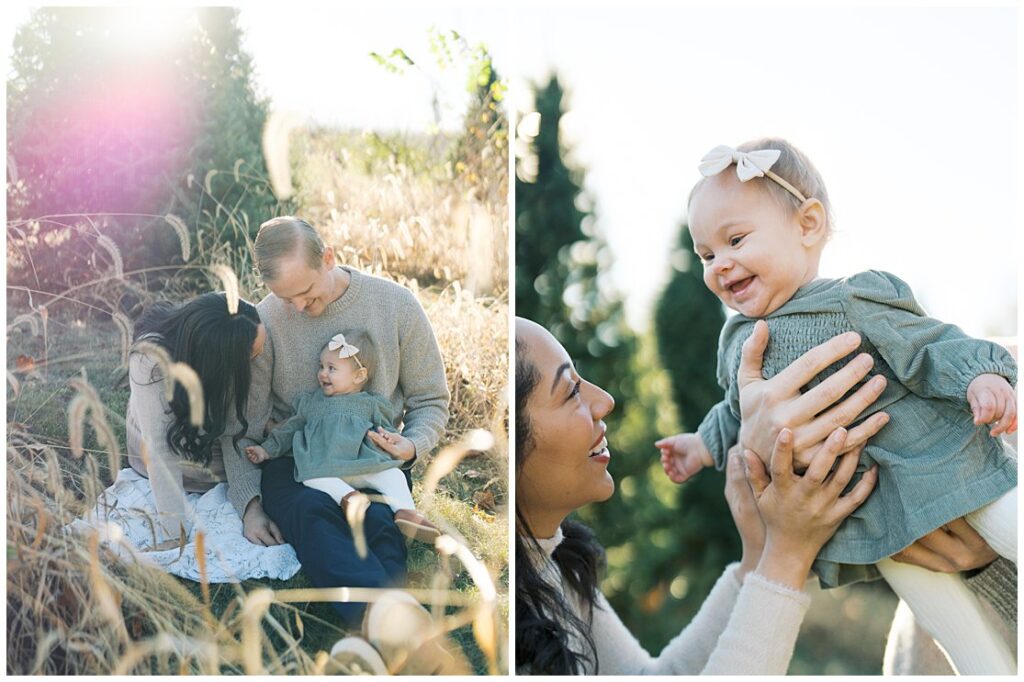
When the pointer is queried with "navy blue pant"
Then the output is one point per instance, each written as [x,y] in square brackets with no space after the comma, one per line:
[316,527]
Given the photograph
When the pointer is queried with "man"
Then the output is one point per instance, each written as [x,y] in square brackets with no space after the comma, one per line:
[311,300]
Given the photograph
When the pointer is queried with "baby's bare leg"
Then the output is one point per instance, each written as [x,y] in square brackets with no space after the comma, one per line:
[945,608]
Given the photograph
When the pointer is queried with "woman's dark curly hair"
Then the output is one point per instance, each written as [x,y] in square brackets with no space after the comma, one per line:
[543,620]
[217,345]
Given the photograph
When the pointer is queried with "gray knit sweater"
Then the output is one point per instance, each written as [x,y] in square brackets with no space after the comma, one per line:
[409,370]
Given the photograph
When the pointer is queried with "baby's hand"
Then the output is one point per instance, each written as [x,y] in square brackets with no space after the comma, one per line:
[256,454]
[396,445]
[683,455]
[992,400]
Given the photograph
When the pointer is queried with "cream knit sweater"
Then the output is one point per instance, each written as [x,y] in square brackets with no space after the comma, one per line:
[747,629]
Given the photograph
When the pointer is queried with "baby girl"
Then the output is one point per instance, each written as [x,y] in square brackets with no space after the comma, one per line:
[760,218]
[327,437]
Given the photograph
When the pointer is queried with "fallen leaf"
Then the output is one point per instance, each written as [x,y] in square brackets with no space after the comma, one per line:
[484,499]
[135,626]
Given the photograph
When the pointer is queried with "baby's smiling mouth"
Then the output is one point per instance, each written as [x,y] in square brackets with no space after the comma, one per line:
[740,286]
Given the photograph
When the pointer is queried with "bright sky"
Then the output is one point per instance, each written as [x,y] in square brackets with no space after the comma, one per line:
[909,114]
[315,60]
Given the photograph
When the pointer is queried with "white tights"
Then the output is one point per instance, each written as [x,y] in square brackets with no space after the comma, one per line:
[948,610]
[390,482]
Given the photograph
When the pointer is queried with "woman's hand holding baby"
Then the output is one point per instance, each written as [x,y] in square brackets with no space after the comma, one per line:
[769,405]
[992,400]
[683,455]
[801,513]
[256,454]
[743,506]
[395,444]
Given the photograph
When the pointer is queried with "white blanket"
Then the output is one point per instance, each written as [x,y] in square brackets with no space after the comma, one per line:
[122,517]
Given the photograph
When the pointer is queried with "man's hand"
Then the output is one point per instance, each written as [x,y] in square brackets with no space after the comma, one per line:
[257,526]
[951,548]
[396,445]
[768,406]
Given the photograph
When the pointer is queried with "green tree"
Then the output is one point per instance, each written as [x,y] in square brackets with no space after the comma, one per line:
[101,124]
[482,150]
[561,261]
[561,258]
[687,320]
[479,152]
[667,544]
[690,530]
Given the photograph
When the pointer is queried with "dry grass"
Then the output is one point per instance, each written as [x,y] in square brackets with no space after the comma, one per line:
[433,230]
[74,608]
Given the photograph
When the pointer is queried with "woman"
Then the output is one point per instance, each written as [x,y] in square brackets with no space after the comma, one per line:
[163,444]
[749,622]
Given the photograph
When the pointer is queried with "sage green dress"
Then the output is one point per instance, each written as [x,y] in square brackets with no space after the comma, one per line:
[327,435]
[935,464]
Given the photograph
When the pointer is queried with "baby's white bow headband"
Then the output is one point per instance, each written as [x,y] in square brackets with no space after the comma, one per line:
[344,348]
[753,164]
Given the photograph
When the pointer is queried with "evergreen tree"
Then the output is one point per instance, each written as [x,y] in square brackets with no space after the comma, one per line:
[99,123]
[482,150]
[687,320]
[559,258]
[559,264]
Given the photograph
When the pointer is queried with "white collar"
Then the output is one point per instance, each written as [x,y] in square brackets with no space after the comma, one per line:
[548,545]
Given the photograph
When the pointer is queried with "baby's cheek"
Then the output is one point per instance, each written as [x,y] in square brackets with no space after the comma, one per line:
[708,278]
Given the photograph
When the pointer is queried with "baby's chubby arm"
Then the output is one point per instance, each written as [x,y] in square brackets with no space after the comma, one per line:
[683,455]
[279,440]
[992,399]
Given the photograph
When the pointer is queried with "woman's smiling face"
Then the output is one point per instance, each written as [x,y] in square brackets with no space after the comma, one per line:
[566,462]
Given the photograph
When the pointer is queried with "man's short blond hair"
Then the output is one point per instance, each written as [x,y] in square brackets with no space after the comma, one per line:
[282,237]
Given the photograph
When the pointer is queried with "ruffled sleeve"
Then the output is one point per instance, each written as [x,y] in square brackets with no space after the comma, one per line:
[931,358]
[383,413]
[720,428]
[719,431]
[279,441]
